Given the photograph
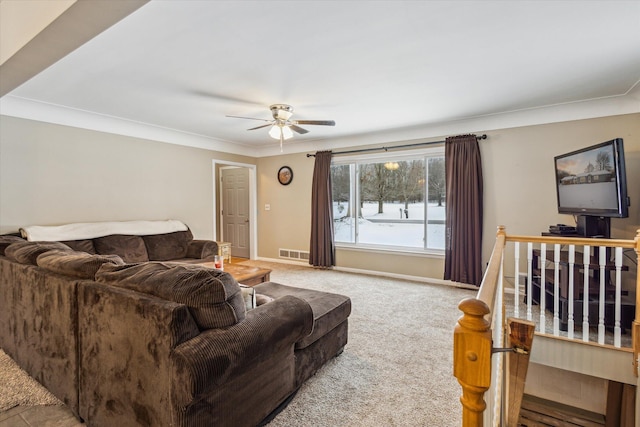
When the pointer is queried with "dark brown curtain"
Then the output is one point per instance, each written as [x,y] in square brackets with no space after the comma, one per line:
[463,246]
[322,251]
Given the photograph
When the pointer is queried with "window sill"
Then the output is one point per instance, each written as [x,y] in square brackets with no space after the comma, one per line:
[428,253]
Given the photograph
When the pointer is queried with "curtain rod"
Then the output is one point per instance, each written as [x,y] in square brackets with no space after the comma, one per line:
[419,144]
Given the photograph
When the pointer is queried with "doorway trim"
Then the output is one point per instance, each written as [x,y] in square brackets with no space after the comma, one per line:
[253,202]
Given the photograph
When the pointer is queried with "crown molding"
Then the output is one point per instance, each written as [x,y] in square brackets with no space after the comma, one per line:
[628,103]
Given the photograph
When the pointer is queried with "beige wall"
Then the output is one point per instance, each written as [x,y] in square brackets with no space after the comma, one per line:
[519,173]
[51,174]
[54,174]
[519,191]
[287,224]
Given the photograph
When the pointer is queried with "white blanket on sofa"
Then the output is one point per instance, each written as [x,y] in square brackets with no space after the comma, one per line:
[91,230]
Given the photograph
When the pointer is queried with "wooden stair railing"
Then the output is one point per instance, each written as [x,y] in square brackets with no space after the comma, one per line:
[472,340]
[474,332]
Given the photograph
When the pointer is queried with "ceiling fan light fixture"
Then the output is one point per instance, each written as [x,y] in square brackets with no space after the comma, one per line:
[281,127]
[274,132]
[277,130]
[286,132]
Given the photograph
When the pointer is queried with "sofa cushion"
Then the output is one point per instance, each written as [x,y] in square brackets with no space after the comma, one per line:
[168,246]
[75,264]
[129,248]
[27,252]
[6,240]
[329,310]
[81,245]
[202,249]
[212,296]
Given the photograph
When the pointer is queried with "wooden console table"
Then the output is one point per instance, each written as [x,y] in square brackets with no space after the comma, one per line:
[244,274]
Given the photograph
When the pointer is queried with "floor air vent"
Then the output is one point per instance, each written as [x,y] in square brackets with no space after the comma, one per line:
[294,254]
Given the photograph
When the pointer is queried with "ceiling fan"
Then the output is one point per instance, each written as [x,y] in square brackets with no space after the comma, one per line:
[281,126]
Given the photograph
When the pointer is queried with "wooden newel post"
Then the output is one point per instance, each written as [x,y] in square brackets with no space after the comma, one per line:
[472,359]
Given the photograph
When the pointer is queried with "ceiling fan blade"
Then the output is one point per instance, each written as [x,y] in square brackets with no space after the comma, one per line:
[261,126]
[315,122]
[298,129]
[250,118]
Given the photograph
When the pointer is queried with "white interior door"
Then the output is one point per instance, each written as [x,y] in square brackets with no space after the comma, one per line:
[235,209]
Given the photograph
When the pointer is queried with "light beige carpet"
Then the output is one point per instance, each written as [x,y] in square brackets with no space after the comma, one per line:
[17,388]
[396,369]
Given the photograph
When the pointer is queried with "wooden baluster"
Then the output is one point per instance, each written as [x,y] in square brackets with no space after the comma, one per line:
[617,332]
[585,299]
[556,289]
[529,279]
[572,259]
[516,294]
[635,331]
[602,261]
[543,287]
[472,359]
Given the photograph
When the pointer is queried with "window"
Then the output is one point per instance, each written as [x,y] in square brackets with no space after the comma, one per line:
[393,201]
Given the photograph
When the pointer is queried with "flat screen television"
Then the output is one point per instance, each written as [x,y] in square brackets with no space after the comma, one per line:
[593,181]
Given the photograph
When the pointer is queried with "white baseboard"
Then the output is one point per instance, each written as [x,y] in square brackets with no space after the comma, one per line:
[431,280]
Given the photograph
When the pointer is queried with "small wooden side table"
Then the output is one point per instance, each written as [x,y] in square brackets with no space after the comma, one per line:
[224,249]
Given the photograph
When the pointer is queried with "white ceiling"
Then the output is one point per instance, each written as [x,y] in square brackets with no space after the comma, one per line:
[383,70]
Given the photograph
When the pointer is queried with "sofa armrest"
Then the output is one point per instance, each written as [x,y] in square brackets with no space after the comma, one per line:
[216,355]
[201,249]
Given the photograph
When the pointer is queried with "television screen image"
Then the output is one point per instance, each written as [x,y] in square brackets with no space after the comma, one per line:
[592,181]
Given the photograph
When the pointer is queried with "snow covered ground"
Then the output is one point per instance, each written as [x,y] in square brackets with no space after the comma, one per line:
[389,228]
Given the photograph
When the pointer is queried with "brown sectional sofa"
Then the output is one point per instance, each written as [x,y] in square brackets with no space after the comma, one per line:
[159,343]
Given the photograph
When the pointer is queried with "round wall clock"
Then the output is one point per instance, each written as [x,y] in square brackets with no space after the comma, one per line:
[285,175]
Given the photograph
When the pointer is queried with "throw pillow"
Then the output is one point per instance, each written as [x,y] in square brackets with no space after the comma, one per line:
[129,248]
[249,295]
[168,246]
[76,264]
[81,245]
[27,252]
[212,296]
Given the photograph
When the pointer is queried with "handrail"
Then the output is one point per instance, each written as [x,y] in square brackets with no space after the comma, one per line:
[629,244]
[487,291]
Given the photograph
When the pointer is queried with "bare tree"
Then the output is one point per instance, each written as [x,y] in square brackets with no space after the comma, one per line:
[374,180]
[410,180]
[341,187]
[437,182]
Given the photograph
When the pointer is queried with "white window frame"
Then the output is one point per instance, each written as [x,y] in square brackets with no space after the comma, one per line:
[354,161]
